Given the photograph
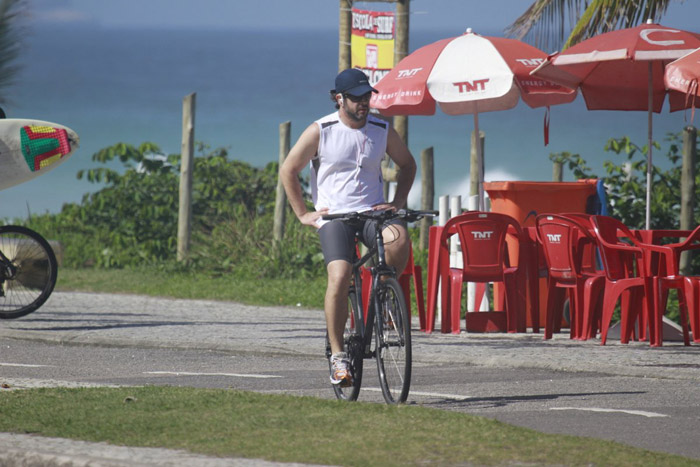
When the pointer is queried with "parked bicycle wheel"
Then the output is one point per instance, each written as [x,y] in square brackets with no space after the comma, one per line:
[393,342]
[353,347]
[28,271]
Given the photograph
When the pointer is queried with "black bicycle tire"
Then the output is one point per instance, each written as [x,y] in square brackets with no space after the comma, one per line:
[353,347]
[404,325]
[46,287]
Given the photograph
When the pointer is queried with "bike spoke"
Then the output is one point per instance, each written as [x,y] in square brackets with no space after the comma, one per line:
[393,344]
[27,271]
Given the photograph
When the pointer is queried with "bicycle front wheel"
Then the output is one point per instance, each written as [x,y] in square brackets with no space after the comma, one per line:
[28,271]
[393,342]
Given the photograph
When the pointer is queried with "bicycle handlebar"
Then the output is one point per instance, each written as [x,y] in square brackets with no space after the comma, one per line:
[408,215]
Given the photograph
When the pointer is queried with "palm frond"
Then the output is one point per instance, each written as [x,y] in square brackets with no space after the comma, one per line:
[11,12]
[545,24]
[608,15]
[557,24]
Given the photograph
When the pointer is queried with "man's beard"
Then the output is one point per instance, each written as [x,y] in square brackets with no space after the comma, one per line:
[354,115]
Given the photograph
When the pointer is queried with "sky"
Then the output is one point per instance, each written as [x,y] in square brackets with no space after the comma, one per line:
[453,16]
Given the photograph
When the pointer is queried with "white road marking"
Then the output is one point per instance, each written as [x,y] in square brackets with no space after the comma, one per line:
[598,409]
[457,397]
[25,365]
[187,373]
[28,383]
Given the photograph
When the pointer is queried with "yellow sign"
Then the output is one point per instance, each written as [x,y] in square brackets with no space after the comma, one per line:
[372,43]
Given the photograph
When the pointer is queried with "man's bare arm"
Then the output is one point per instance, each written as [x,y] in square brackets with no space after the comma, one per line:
[399,153]
[299,156]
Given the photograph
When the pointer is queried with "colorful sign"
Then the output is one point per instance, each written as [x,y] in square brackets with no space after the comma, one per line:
[43,145]
[372,42]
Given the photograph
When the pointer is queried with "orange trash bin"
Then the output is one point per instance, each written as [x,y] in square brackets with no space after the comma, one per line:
[526,200]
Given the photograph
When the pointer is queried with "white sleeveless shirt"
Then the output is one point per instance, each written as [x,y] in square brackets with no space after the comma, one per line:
[346,173]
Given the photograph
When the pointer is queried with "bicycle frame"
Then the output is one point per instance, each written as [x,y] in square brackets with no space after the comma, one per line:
[365,327]
[7,269]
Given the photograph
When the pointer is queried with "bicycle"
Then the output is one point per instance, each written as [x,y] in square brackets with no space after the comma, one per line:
[28,271]
[387,318]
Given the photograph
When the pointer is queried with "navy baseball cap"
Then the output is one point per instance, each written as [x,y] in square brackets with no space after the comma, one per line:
[352,81]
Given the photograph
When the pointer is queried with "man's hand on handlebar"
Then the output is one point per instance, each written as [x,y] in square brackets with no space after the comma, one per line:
[385,207]
[309,218]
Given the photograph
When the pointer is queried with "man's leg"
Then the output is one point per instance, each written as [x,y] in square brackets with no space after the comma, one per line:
[396,246]
[336,302]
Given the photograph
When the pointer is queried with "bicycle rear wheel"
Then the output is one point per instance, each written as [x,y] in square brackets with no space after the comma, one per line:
[393,342]
[28,271]
[353,347]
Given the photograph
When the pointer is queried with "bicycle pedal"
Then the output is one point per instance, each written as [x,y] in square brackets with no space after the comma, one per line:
[389,324]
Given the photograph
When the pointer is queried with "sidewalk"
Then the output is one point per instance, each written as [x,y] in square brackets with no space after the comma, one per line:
[128,320]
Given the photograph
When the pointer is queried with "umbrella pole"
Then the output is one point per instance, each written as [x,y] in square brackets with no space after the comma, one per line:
[479,161]
[649,159]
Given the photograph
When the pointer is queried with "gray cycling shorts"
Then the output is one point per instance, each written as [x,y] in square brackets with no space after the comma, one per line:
[338,238]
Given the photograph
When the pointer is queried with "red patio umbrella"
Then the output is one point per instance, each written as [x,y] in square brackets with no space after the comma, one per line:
[623,70]
[467,74]
[682,76]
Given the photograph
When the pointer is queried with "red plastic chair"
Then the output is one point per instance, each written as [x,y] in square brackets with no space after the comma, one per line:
[591,263]
[415,272]
[437,254]
[668,266]
[625,271]
[566,243]
[485,259]
[588,245]
[647,287]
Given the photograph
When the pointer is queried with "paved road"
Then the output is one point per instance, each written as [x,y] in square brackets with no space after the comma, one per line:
[519,379]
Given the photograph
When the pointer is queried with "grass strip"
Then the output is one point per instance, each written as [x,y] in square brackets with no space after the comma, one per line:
[304,292]
[232,423]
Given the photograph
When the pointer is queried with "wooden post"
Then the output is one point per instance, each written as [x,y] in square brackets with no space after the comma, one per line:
[557,171]
[344,33]
[400,122]
[281,197]
[184,221]
[690,134]
[474,164]
[400,51]
[427,194]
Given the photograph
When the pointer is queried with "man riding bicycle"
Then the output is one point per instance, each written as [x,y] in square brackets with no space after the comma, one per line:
[345,149]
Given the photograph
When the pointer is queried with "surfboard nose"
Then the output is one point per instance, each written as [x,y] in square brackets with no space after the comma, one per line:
[73,139]
[29,148]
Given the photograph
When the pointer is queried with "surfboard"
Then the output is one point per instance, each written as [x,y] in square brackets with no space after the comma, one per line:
[29,148]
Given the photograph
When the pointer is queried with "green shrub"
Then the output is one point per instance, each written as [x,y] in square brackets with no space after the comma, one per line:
[243,245]
[133,219]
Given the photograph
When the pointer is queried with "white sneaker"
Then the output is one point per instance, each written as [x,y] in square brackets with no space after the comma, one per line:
[340,369]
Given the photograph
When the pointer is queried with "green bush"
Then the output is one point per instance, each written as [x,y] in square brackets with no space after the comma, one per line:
[625,182]
[132,220]
[243,245]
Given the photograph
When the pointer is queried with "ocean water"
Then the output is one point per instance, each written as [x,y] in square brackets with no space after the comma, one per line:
[127,85]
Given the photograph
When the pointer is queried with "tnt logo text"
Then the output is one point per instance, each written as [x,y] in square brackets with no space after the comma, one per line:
[485,235]
[531,62]
[408,73]
[471,86]
[554,238]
